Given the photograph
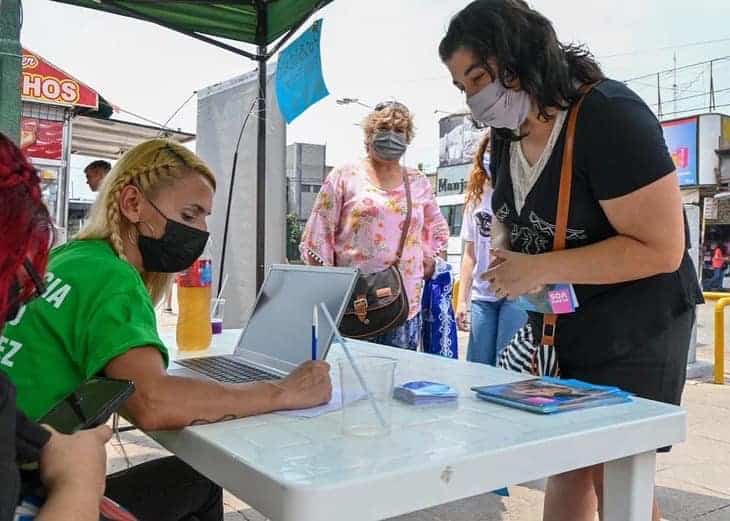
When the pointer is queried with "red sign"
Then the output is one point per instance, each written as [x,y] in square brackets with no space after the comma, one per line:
[46,83]
[41,139]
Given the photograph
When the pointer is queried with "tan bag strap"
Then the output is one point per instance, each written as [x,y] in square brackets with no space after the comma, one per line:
[561,217]
[407,223]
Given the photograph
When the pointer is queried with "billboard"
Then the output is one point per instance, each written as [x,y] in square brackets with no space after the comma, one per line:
[680,136]
[458,139]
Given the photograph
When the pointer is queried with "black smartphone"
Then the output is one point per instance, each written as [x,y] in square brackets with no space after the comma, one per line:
[88,406]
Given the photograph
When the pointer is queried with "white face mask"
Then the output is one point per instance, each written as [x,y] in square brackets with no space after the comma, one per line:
[500,107]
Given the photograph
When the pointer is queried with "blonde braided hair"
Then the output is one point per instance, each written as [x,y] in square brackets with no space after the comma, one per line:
[150,166]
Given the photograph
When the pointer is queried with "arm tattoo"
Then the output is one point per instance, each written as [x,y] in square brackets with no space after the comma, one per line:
[203,421]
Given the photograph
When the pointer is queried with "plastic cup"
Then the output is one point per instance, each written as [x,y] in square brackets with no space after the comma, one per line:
[217,306]
[358,414]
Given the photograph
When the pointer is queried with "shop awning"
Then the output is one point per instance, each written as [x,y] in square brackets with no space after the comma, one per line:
[110,138]
[235,20]
[45,83]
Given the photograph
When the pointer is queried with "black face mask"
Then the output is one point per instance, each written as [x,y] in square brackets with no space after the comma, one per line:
[177,249]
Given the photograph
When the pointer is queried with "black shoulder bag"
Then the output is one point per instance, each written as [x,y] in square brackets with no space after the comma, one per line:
[379,302]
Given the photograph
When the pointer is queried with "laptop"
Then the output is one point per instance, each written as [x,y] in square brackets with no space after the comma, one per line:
[277,336]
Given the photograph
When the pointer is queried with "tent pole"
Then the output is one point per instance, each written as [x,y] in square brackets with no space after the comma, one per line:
[261,40]
[10,69]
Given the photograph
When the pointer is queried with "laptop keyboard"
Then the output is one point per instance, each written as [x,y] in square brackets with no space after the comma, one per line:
[226,369]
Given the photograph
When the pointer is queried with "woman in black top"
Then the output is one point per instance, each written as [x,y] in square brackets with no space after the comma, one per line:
[626,241]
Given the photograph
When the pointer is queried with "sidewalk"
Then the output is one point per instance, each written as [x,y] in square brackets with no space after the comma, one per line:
[693,481]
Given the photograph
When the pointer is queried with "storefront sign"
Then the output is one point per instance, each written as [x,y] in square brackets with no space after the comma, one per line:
[725,134]
[458,140]
[42,139]
[710,208]
[452,179]
[681,138]
[45,83]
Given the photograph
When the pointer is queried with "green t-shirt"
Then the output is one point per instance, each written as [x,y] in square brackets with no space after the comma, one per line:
[96,308]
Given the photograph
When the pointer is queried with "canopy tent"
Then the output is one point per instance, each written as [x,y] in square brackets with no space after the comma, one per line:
[255,22]
[237,20]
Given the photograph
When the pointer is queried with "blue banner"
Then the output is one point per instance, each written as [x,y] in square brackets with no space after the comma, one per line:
[299,81]
[681,138]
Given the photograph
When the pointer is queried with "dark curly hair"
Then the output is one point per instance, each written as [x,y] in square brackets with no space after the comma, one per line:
[525,47]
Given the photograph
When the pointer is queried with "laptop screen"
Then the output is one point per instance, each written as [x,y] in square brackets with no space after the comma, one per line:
[278,333]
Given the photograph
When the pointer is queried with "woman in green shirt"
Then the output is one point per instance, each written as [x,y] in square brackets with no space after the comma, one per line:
[97,315]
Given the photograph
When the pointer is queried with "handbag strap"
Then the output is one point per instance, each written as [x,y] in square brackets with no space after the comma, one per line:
[561,218]
[407,223]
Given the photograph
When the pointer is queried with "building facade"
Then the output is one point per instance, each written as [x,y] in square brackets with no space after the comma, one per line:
[305,173]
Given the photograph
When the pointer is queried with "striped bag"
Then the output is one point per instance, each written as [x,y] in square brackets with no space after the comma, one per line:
[524,354]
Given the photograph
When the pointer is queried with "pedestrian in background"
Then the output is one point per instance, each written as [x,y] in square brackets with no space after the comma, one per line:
[719,264]
[494,320]
[360,213]
[95,173]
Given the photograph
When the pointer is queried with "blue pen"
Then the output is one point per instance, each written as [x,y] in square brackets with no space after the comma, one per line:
[315,333]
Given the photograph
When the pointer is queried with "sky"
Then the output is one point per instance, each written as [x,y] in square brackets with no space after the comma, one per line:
[371,50]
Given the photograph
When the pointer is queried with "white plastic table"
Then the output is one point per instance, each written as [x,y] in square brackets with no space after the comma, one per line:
[295,469]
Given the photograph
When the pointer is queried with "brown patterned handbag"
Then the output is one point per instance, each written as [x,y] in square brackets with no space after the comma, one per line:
[379,302]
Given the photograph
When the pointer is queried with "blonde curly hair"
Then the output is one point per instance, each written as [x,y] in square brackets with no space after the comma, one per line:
[389,115]
[150,166]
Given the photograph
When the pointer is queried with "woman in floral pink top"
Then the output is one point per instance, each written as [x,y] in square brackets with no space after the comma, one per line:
[360,213]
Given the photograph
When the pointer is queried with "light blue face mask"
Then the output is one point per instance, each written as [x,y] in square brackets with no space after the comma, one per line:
[499,107]
[389,145]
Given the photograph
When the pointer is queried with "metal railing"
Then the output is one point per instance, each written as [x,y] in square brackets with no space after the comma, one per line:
[723,300]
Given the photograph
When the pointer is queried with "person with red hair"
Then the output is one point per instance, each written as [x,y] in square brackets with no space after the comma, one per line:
[72,468]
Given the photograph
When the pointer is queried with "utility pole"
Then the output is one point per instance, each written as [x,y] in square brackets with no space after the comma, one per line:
[675,87]
[10,68]
[712,88]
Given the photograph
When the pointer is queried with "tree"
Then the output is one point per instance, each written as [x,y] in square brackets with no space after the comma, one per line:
[293,237]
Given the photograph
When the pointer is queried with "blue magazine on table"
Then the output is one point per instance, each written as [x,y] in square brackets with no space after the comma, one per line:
[548,395]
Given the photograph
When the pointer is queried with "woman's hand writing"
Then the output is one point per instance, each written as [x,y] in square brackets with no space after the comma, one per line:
[308,385]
